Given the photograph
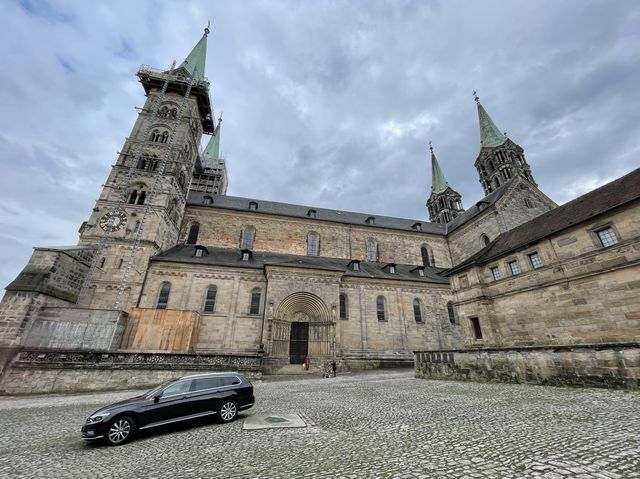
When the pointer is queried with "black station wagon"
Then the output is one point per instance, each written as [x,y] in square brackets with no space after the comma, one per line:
[188,397]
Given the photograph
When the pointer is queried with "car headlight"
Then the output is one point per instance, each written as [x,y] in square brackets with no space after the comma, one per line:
[96,418]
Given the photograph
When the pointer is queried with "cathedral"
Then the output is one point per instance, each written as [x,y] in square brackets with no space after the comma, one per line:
[168,265]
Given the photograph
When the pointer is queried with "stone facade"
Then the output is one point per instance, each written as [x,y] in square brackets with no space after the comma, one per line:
[282,234]
[207,274]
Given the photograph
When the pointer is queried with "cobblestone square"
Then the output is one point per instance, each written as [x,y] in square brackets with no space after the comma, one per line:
[379,424]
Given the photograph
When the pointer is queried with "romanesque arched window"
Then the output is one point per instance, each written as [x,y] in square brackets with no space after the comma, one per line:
[371,247]
[163,296]
[344,303]
[427,255]
[496,182]
[210,299]
[490,165]
[313,244]
[155,135]
[254,307]
[192,238]
[247,237]
[380,308]
[164,137]
[137,195]
[417,310]
[452,313]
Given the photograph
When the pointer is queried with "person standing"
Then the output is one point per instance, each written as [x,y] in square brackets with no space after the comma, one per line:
[306,363]
[333,367]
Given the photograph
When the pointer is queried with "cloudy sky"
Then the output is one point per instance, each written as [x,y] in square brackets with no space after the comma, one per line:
[329,104]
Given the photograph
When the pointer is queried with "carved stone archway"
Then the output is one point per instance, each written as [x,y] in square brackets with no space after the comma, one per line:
[302,307]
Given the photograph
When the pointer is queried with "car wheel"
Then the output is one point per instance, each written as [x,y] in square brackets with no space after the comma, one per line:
[120,430]
[227,411]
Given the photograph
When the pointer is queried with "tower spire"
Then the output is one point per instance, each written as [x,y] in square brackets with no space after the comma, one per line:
[213,147]
[195,61]
[490,134]
[438,181]
[444,204]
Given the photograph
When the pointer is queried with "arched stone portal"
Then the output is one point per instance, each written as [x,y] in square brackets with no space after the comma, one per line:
[302,325]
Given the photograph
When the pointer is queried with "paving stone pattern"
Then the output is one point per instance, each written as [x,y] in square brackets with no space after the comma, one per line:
[380,424]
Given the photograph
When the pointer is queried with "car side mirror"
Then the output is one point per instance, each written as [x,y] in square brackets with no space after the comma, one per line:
[157,397]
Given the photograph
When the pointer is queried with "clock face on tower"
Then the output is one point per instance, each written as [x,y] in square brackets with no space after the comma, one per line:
[113,221]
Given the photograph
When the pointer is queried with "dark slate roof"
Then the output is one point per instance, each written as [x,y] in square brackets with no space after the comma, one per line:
[260,259]
[237,203]
[479,207]
[601,200]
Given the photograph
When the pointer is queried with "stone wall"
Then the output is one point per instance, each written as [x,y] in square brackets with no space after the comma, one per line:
[34,371]
[507,213]
[282,234]
[582,293]
[601,365]
[76,328]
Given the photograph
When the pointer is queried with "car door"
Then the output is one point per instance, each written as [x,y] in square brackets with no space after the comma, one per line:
[171,405]
[205,394]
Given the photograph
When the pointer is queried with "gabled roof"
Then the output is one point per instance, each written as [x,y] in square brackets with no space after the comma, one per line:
[479,207]
[601,200]
[231,257]
[196,198]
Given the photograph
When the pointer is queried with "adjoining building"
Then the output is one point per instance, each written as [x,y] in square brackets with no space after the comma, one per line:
[172,274]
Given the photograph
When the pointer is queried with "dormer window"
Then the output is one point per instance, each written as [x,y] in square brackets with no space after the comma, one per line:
[417,226]
[311,213]
[246,255]
[253,206]
[390,268]
[371,220]
[200,251]
[207,200]
[355,265]
[419,271]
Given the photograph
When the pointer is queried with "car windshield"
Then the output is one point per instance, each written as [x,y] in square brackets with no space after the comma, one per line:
[157,389]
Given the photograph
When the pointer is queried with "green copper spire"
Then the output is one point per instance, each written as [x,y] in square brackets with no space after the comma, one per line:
[490,135]
[213,147]
[438,181]
[194,63]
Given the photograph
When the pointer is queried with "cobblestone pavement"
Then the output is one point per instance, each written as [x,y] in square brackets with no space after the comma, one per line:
[381,424]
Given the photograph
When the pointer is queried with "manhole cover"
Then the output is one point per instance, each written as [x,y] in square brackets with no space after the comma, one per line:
[270,421]
[274,419]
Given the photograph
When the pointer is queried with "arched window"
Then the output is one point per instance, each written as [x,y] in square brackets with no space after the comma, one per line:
[254,307]
[163,297]
[137,195]
[164,137]
[496,182]
[136,228]
[343,306]
[371,247]
[210,300]
[380,310]
[192,238]
[313,244]
[172,210]
[155,135]
[417,310]
[451,312]
[484,240]
[174,113]
[164,112]
[247,237]
[427,256]
[490,165]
